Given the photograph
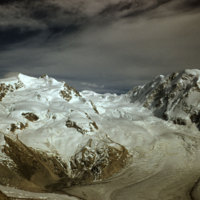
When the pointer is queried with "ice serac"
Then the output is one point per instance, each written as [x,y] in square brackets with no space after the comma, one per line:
[175,97]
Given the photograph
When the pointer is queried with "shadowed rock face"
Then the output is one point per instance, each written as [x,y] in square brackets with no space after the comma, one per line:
[68,92]
[36,167]
[174,97]
[101,163]
[30,116]
[50,173]
[6,88]
[71,124]
[20,126]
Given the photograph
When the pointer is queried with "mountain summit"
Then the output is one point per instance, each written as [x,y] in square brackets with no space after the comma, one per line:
[50,136]
[54,139]
[175,97]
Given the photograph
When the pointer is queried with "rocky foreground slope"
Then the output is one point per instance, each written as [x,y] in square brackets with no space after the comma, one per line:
[55,140]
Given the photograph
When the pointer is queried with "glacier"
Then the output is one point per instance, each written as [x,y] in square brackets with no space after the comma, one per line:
[59,143]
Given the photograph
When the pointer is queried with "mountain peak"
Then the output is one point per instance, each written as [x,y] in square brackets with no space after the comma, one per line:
[174,97]
[26,80]
[195,72]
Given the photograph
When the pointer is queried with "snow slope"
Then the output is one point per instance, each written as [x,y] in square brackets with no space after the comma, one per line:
[43,99]
[100,146]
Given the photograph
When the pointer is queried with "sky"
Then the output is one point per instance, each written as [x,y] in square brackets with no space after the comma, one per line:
[100,45]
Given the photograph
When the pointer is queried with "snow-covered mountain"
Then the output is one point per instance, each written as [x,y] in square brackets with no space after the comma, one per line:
[175,97]
[54,139]
[50,135]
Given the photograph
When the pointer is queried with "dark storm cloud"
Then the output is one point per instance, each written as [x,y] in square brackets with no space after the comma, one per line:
[21,19]
[131,8]
[108,45]
[25,19]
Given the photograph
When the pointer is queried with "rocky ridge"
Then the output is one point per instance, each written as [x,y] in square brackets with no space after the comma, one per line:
[175,97]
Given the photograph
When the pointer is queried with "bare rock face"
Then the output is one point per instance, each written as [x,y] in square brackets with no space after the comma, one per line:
[98,162]
[31,165]
[30,116]
[67,92]
[7,88]
[175,97]
[92,163]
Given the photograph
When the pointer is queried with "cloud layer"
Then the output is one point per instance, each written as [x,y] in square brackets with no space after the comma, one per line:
[107,46]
